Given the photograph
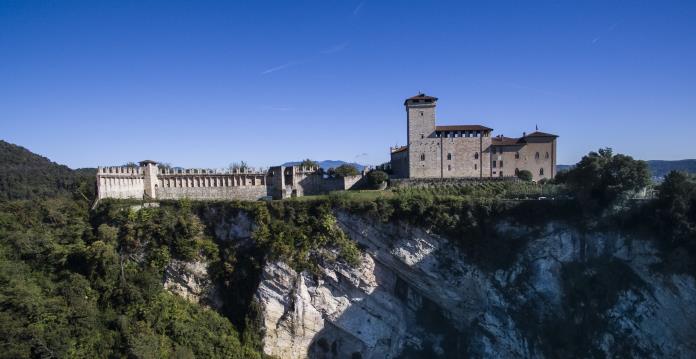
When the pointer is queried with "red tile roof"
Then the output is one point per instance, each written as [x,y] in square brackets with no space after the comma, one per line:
[400,149]
[506,141]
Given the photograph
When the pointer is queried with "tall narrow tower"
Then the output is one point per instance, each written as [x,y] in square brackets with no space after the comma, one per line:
[423,150]
[149,169]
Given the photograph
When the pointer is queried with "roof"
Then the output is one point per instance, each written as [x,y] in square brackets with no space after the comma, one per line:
[421,96]
[463,128]
[400,149]
[145,162]
[506,141]
[540,134]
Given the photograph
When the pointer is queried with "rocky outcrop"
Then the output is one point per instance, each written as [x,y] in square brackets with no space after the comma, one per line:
[191,281]
[415,294]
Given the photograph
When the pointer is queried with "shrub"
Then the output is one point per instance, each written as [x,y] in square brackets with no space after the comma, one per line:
[346,170]
[376,178]
[524,175]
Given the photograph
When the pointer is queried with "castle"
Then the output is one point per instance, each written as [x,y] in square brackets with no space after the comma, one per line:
[460,151]
[467,151]
[149,181]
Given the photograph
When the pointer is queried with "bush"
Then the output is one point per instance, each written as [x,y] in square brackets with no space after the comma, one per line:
[601,178]
[525,175]
[346,170]
[376,178]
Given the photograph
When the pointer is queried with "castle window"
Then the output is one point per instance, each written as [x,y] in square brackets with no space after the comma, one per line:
[422,156]
[449,167]
[422,136]
[501,173]
[517,155]
[536,156]
[541,171]
[475,166]
[494,164]
[475,155]
[517,171]
[547,155]
[421,113]
[501,164]
[449,156]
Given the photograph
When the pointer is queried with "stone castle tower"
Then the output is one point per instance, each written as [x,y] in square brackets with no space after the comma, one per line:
[466,151]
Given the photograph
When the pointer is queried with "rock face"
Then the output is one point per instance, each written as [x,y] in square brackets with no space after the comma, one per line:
[416,295]
[191,281]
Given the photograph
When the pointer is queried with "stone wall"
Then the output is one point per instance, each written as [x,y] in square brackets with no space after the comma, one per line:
[245,193]
[120,182]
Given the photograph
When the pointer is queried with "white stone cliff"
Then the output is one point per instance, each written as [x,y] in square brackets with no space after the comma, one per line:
[415,295]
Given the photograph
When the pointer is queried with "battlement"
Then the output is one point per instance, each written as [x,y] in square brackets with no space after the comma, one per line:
[149,181]
[117,171]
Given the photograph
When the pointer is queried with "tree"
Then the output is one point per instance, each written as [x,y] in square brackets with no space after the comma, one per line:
[238,166]
[376,178]
[676,203]
[309,163]
[346,170]
[602,178]
[525,175]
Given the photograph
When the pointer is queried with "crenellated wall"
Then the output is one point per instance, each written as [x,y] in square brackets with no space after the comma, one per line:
[120,182]
[151,182]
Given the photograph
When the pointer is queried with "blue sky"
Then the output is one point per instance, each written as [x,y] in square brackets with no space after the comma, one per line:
[206,83]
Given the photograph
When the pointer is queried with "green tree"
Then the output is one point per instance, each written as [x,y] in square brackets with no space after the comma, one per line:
[525,175]
[309,163]
[346,170]
[376,178]
[676,204]
[601,178]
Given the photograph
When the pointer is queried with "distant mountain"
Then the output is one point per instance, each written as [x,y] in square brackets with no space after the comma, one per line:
[326,164]
[658,168]
[26,175]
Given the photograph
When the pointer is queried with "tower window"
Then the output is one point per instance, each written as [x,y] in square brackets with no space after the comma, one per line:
[517,155]
[449,167]
[421,113]
[449,156]
[536,156]
[541,171]
[494,164]
[475,166]
[501,164]
[547,155]
[422,156]
[422,136]
[475,155]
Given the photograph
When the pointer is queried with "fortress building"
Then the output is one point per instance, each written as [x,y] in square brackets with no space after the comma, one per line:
[150,182]
[467,151]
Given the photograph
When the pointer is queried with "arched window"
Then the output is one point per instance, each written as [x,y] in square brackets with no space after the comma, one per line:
[475,166]
[475,155]
[449,156]
[541,171]
[547,155]
[536,156]
[422,156]
[517,155]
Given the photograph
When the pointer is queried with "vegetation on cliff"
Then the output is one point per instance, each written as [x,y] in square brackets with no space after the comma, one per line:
[81,283]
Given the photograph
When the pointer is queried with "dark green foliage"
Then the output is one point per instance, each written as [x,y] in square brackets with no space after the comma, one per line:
[524,175]
[26,175]
[75,285]
[345,170]
[602,178]
[309,163]
[376,178]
